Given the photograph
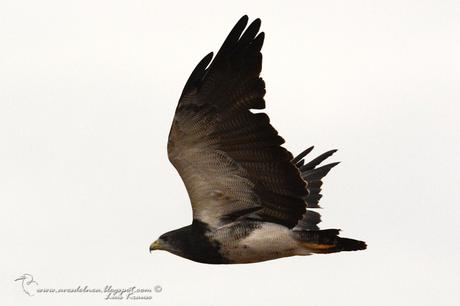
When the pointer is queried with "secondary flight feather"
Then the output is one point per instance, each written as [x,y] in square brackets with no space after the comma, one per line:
[251,199]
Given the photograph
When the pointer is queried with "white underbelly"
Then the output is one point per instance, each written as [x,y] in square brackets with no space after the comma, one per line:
[270,241]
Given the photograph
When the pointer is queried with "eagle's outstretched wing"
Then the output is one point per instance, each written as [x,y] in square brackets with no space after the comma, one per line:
[231,159]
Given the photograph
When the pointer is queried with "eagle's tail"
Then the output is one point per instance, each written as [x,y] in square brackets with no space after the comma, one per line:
[327,241]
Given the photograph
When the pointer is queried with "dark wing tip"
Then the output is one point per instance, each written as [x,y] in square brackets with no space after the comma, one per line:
[209,56]
[239,27]
[198,73]
[250,33]
[332,165]
[259,40]
[302,155]
[255,24]
[315,162]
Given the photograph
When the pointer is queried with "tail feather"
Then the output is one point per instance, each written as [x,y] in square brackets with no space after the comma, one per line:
[328,241]
[347,244]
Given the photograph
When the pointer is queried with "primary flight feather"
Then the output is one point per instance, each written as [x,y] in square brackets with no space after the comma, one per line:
[251,199]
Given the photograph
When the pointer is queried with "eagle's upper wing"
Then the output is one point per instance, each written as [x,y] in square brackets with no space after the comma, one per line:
[230,159]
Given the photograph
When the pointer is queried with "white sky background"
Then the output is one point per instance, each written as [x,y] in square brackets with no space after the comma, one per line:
[87,95]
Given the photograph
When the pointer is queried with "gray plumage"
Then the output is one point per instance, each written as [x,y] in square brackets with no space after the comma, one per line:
[249,195]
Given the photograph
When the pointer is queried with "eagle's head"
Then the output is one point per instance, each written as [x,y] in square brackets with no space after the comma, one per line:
[192,242]
[173,242]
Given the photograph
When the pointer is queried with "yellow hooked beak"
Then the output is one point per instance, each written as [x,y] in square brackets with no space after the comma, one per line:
[156,245]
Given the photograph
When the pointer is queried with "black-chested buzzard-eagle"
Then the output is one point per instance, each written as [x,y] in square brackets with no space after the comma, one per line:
[252,201]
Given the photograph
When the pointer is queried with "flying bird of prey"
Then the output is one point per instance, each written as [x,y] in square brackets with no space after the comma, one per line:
[251,200]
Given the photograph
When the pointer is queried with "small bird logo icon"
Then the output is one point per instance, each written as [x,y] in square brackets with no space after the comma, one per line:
[28,283]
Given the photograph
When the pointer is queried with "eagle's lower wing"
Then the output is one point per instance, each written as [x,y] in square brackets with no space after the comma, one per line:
[230,159]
